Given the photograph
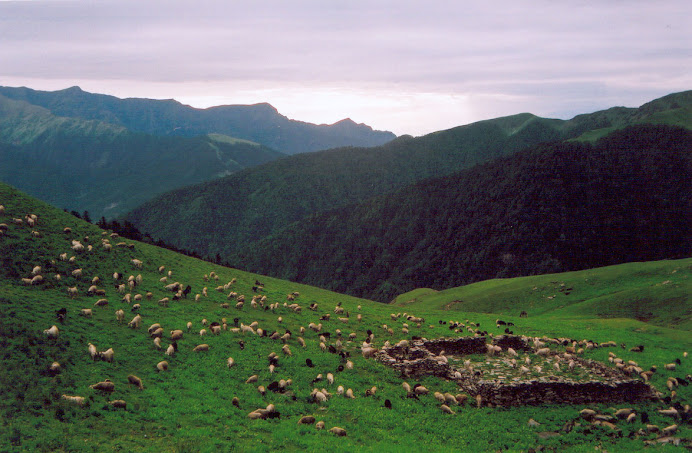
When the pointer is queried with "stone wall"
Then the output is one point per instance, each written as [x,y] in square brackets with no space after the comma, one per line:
[538,392]
[422,358]
[512,341]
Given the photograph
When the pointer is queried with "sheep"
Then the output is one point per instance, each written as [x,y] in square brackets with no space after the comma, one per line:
[420,390]
[162,366]
[52,333]
[202,332]
[164,302]
[339,432]
[107,355]
[368,352]
[230,362]
[252,379]
[119,315]
[135,322]
[543,352]
[446,409]
[306,420]
[92,351]
[105,386]
[137,263]
[170,350]
[157,342]
[201,348]
[319,425]
[177,334]
[669,430]
[118,404]
[101,303]
[72,292]
[36,280]
[136,307]
[86,312]
[78,400]
[670,366]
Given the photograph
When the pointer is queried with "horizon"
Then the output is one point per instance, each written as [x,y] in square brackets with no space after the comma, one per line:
[389,65]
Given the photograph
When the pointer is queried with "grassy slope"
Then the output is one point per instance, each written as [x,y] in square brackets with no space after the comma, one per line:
[189,407]
[657,292]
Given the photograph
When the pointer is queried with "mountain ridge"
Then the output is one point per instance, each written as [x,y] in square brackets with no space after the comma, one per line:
[262,200]
[260,122]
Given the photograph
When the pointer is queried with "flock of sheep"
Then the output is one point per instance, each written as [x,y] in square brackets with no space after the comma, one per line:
[335,342]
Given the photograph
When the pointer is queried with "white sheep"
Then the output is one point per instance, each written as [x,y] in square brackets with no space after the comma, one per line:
[53,332]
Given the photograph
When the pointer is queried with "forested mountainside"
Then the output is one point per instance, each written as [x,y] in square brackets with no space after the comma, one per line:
[553,208]
[222,216]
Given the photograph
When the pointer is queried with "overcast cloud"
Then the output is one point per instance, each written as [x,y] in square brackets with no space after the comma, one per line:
[409,67]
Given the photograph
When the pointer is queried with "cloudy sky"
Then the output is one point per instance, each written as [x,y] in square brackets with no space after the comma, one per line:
[411,67]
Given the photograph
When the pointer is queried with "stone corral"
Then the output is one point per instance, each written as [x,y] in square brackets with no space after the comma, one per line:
[512,341]
[605,385]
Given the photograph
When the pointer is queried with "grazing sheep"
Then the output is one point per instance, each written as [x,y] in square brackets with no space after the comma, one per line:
[72,292]
[107,355]
[162,366]
[189,325]
[170,350]
[368,352]
[201,348]
[420,390]
[543,352]
[86,312]
[202,332]
[78,400]
[446,409]
[118,404]
[252,379]
[52,332]
[178,334]
[157,342]
[319,425]
[135,322]
[236,402]
[230,362]
[137,263]
[105,386]
[101,303]
[349,394]
[92,351]
[670,430]
[306,420]
[120,315]
[340,432]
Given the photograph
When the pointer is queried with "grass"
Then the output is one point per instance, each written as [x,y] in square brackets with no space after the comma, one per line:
[657,292]
[189,407]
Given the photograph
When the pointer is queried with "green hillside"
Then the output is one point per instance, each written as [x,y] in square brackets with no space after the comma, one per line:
[657,292]
[258,202]
[553,208]
[259,123]
[189,407]
[105,169]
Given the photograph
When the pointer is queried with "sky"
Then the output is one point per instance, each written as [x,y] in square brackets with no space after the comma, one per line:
[411,67]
